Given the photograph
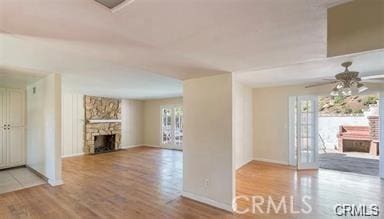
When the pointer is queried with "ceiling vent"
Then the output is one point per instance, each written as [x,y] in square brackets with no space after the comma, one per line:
[114,5]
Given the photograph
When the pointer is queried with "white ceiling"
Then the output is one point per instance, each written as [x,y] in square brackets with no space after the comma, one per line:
[18,78]
[367,63]
[128,53]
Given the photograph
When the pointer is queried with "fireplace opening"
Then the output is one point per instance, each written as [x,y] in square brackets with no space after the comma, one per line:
[104,143]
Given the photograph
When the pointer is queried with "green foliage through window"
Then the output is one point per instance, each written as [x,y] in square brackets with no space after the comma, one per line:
[346,105]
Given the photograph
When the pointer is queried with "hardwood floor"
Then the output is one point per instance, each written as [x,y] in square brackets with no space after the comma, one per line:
[325,188]
[135,183]
[146,183]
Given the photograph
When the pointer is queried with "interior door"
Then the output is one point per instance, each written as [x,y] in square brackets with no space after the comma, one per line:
[15,130]
[16,149]
[3,128]
[307,141]
[15,106]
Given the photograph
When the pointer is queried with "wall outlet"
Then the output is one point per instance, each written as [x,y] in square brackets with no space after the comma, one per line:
[206,183]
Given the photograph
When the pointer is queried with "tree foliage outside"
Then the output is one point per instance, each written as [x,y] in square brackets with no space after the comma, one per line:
[346,105]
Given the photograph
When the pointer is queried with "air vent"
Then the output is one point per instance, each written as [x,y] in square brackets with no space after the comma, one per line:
[110,3]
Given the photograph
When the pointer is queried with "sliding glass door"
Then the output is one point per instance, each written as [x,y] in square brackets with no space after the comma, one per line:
[172,126]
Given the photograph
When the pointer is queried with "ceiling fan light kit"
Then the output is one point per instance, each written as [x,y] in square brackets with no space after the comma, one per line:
[348,82]
[361,87]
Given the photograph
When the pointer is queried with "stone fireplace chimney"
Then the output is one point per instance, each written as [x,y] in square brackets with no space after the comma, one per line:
[103,118]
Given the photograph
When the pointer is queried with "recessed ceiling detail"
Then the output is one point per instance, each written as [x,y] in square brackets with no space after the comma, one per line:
[112,4]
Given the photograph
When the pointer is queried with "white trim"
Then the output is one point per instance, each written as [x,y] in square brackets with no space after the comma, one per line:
[292,101]
[163,147]
[72,155]
[381,145]
[131,146]
[54,182]
[243,163]
[207,201]
[271,161]
[314,131]
[104,120]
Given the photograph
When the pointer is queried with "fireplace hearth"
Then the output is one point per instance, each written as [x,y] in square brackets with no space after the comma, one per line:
[104,143]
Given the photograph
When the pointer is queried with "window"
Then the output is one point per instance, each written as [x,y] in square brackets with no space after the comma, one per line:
[172,126]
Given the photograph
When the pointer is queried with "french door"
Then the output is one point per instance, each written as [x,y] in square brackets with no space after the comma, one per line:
[303,133]
[172,126]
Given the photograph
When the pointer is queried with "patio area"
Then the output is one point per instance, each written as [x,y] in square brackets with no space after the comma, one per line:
[354,162]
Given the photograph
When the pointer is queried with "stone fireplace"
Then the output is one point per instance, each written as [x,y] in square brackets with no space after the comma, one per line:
[103,124]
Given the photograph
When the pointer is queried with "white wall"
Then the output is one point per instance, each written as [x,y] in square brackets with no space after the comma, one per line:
[72,124]
[329,127]
[271,121]
[208,163]
[44,128]
[152,119]
[140,122]
[132,123]
[243,123]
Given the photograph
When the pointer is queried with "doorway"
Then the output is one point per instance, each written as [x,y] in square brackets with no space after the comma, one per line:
[349,133]
[172,126]
[354,145]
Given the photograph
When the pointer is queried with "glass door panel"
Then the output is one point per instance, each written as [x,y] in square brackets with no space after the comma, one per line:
[306,132]
[166,126]
[172,126]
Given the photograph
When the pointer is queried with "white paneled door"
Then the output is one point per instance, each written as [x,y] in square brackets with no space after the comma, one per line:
[12,135]
[15,107]
[16,149]
[3,151]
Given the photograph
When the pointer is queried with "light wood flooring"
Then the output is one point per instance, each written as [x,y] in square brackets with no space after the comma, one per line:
[146,182]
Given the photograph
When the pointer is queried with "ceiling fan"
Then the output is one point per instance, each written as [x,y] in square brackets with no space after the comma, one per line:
[347,82]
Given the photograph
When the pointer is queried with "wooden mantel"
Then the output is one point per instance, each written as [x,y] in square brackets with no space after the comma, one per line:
[104,120]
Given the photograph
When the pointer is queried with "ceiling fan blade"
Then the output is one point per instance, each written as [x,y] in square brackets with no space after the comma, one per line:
[372,77]
[321,84]
[379,81]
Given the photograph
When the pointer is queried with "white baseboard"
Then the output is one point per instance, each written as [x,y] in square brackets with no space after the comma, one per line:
[72,155]
[164,147]
[55,182]
[131,146]
[207,201]
[244,163]
[271,161]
